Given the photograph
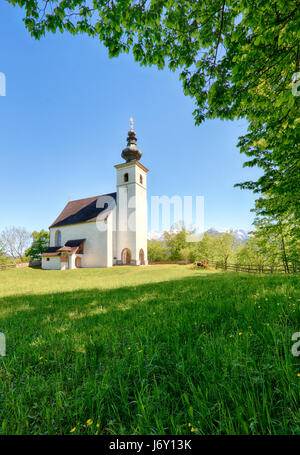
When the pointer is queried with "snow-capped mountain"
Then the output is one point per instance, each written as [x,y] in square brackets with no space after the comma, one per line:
[155,236]
[240,234]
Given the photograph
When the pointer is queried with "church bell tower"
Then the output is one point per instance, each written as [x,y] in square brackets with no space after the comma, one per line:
[131,216]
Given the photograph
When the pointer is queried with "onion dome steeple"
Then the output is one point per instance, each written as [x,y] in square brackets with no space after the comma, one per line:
[131,152]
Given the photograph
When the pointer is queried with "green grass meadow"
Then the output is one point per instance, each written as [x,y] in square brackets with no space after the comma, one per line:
[163,349]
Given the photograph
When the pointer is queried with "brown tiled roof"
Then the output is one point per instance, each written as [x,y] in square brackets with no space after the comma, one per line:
[51,251]
[81,210]
[72,246]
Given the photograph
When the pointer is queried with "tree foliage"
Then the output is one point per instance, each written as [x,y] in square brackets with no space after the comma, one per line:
[157,252]
[272,243]
[207,248]
[225,247]
[236,59]
[175,243]
[277,235]
[40,242]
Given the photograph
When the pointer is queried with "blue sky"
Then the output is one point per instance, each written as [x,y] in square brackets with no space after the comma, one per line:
[64,122]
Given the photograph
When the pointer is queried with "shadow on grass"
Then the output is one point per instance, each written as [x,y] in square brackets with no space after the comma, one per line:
[151,358]
[204,298]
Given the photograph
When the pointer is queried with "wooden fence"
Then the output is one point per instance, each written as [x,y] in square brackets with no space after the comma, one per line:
[19,265]
[7,266]
[292,268]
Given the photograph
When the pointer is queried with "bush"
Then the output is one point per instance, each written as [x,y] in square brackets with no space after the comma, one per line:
[157,252]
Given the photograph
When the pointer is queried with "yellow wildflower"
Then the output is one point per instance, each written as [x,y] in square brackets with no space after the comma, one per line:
[97,425]
[192,429]
[73,429]
[89,422]
[189,425]
[240,333]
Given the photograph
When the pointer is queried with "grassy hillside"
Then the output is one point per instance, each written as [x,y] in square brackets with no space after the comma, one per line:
[160,349]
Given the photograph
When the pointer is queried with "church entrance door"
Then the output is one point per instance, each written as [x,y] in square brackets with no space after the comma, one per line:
[78,262]
[126,256]
[142,257]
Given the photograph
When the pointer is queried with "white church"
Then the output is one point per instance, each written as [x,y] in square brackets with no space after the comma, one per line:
[105,230]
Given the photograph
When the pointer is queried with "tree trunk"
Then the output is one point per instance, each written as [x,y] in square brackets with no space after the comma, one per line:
[285,260]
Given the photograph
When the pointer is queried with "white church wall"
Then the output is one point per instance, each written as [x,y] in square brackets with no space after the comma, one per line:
[71,261]
[98,244]
[126,169]
[52,264]
[125,215]
[141,222]
[109,241]
[140,172]
[52,237]
[134,191]
[114,236]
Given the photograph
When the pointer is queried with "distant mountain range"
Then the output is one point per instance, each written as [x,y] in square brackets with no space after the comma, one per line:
[240,234]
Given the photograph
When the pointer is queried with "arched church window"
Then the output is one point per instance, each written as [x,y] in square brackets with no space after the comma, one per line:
[126,256]
[126,177]
[57,238]
[141,179]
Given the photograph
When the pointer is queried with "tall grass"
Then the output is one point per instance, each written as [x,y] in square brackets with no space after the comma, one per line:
[154,350]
